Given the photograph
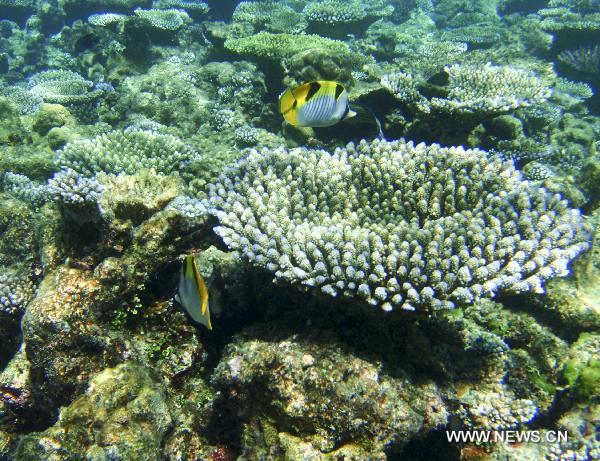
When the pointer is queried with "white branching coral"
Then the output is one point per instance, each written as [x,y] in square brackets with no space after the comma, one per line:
[399,225]
[126,152]
[488,88]
[68,186]
[270,15]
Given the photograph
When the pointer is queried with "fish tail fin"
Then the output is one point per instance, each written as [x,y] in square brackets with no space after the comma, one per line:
[374,117]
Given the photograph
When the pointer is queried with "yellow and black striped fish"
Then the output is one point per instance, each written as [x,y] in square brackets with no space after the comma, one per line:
[315,104]
[192,294]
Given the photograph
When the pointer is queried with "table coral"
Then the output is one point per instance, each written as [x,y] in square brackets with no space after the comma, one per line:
[276,46]
[490,89]
[398,225]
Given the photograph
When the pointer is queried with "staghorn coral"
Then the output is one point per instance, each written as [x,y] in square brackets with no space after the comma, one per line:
[246,136]
[398,225]
[126,152]
[71,188]
[171,19]
[26,102]
[585,59]
[406,89]
[471,89]
[193,6]
[477,35]
[23,188]
[16,291]
[559,18]
[426,59]
[494,408]
[537,171]
[490,89]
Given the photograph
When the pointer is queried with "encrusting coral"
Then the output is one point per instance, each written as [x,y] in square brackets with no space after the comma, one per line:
[399,225]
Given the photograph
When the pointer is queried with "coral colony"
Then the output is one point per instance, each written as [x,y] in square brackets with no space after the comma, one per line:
[299,230]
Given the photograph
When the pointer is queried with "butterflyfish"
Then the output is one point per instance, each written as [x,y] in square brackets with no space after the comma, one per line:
[315,104]
[192,294]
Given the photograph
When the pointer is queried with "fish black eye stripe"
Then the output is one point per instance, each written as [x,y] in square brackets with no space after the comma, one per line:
[314,88]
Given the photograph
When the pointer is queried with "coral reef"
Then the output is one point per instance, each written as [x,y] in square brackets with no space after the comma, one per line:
[134,133]
[398,225]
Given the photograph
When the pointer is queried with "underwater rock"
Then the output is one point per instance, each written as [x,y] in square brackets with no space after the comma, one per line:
[12,130]
[290,387]
[50,116]
[137,197]
[61,337]
[92,426]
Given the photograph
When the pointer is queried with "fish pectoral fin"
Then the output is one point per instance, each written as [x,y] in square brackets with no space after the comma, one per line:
[350,114]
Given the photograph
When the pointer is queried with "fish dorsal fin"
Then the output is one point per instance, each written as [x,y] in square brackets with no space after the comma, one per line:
[203,290]
[339,89]
[313,88]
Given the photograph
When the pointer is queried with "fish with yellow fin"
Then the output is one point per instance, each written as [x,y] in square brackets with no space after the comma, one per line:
[317,104]
[192,293]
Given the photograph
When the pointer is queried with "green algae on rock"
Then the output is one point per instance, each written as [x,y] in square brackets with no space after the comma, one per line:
[92,426]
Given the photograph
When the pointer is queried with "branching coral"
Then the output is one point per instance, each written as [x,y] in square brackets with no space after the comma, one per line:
[69,187]
[126,152]
[188,5]
[25,101]
[25,189]
[472,89]
[405,88]
[399,225]
[586,60]
[16,291]
[559,17]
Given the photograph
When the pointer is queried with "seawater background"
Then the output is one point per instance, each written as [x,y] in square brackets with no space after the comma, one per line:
[115,115]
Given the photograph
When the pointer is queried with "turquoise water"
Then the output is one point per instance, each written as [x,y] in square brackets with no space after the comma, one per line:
[391,208]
